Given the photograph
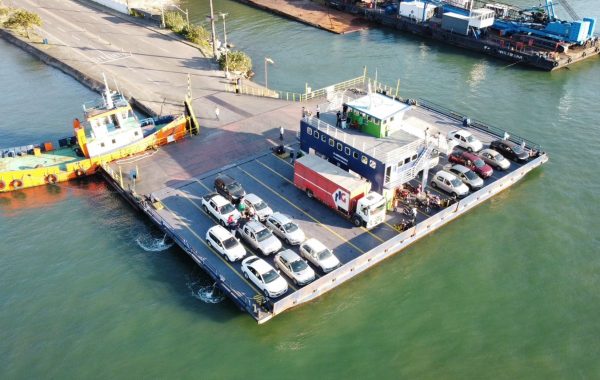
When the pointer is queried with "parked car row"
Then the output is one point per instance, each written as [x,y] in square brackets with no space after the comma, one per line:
[469,167]
[262,234]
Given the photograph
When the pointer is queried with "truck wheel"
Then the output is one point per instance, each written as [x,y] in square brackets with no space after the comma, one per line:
[309,193]
[357,221]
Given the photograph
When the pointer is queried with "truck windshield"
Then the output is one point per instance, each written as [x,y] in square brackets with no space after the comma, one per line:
[376,209]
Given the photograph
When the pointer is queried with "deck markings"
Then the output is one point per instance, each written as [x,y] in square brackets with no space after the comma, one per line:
[204,212]
[208,246]
[302,211]
[287,179]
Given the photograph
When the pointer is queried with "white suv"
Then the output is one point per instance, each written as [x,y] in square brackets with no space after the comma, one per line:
[222,241]
[466,140]
[264,276]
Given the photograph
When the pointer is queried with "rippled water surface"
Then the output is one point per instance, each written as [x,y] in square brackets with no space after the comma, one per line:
[511,290]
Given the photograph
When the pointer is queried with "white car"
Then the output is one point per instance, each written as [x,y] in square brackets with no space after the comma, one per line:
[259,237]
[284,227]
[294,267]
[264,276]
[220,208]
[260,207]
[449,183]
[466,140]
[222,241]
[321,256]
[494,159]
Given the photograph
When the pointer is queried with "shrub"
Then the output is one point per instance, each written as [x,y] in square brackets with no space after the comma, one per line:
[196,34]
[237,61]
[4,10]
[174,21]
[23,19]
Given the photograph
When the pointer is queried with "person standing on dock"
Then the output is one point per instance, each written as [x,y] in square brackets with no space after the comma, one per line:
[217,112]
[281,133]
[318,112]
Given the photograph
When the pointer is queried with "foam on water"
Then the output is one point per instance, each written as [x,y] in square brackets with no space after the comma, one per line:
[205,293]
[150,243]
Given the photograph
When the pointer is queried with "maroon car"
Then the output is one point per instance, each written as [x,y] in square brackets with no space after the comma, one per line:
[473,162]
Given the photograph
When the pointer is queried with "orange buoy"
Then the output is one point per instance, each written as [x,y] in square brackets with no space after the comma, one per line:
[2,185]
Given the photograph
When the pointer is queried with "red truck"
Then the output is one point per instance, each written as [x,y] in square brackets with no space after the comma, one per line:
[339,190]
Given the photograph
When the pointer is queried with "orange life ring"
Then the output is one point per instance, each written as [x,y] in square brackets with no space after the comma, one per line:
[51,178]
[2,185]
[17,183]
[79,172]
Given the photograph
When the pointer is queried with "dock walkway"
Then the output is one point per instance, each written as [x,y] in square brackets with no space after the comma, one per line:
[311,13]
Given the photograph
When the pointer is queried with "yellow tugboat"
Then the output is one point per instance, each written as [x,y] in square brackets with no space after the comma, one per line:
[111,131]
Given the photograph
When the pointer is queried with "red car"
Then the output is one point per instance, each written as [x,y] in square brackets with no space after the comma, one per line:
[473,162]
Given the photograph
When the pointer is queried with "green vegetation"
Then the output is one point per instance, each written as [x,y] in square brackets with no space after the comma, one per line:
[237,61]
[197,34]
[23,19]
[175,22]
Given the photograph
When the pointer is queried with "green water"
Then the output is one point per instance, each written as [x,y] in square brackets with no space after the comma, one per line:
[511,290]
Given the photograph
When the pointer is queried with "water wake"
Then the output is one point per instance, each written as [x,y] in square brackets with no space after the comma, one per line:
[151,244]
[206,293]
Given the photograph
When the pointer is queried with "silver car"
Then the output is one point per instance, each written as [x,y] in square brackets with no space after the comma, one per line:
[449,183]
[294,267]
[259,237]
[466,175]
[494,159]
[318,254]
[284,227]
[258,206]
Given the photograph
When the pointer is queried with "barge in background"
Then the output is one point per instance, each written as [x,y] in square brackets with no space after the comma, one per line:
[533,36]
[365,148]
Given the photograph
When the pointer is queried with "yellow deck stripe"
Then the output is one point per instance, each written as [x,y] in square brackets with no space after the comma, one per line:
[302,211]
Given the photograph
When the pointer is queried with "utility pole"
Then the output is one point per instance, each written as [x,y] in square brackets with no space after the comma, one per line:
[226,50]
[267,60]
[212,27]
[162,14]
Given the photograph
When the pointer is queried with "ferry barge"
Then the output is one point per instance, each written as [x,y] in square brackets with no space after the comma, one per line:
[110,131]
[534,37]
[387,142]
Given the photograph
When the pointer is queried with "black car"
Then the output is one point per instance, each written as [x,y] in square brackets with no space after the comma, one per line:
[510,150]
[229,188]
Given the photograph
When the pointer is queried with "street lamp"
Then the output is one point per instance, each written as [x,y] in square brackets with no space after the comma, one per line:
[267,60]
[223,15]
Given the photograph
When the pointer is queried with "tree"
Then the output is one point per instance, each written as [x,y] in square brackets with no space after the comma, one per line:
[23,19]
[236,61]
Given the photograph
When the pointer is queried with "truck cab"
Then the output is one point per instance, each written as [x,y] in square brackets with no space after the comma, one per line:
[370,210]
